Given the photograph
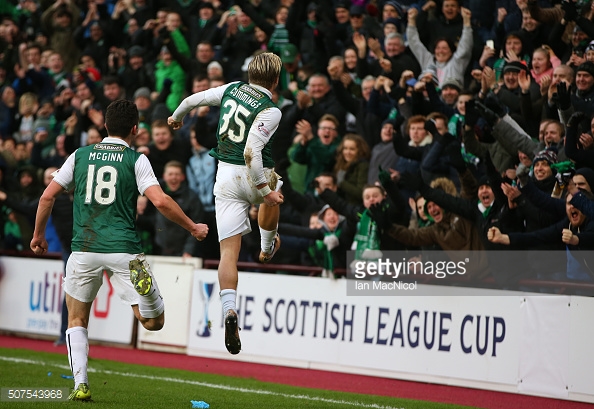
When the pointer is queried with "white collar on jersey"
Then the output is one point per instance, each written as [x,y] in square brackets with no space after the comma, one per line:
[261,88]
[117,141]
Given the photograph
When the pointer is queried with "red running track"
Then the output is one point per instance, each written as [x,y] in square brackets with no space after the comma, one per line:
[309,378]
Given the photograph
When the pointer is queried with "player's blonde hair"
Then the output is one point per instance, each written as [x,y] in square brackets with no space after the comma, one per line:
[264,70]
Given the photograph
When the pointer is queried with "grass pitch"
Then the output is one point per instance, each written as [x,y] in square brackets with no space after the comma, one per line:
[119,385]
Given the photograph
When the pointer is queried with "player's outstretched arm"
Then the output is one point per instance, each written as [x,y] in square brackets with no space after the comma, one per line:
[170,209]
[44,210]
[209,97]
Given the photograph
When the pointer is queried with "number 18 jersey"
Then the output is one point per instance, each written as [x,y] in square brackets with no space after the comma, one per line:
[107,178]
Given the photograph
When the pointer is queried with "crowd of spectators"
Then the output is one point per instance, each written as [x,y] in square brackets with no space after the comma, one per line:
[446,125]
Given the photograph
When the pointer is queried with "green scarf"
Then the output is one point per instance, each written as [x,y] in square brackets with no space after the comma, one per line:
[486,211]
[180,43]
[367,237]
[424,223]
[563,167]
[456,121]
[319,252]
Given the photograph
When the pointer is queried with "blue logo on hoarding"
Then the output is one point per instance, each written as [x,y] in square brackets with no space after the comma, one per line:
[206,290]
[46,295]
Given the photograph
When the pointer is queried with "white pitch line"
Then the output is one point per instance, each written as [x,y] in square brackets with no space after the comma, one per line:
[210,385]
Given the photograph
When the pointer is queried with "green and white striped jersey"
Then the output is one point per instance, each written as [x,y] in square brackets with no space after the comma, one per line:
[107,178]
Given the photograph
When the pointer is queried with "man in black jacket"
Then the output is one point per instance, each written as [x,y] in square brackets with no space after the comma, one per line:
[172,239]
[318,100]
[396,56]
[135,75]
[575,232]
[204,26]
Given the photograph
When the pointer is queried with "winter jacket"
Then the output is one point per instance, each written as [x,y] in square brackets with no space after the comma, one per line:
[453,234]
[177,75]
[454,67]
[173,239]
[351,188]
[318,158]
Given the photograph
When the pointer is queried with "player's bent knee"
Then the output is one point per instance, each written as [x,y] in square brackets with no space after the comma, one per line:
[154,324]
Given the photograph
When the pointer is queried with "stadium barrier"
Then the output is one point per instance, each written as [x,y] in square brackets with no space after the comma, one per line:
[490,339]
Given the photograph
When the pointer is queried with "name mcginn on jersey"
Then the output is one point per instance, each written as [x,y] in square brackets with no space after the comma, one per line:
[106,156]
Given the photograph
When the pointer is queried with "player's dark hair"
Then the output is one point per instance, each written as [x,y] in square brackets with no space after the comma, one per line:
[121,116]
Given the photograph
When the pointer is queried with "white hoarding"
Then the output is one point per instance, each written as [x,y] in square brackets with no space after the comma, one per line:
[581,358]
[311,322]
[174,277]
[31,295]
[31,302]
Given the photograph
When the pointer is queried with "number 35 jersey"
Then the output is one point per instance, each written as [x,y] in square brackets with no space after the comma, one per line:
[107,178]
[240,105]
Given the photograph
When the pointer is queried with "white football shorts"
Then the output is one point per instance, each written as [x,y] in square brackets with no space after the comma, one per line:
[234,193]
[84,275]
